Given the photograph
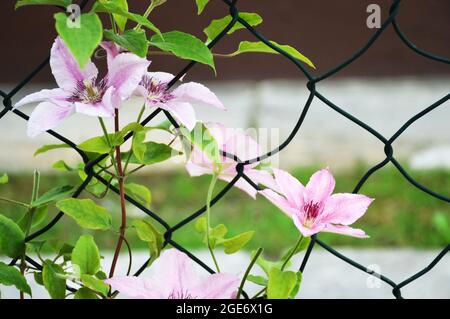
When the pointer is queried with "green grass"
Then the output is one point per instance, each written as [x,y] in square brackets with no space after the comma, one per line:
[401,215]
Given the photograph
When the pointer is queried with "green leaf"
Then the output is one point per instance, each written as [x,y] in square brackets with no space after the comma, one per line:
[39,215]
[100,145]
[235,243]
[281,284]
[303,245]
[86,213]
[81,41]
[259,280]
[86,255]
[267,265]
[140,193]
[38,278]
[66,251]
[201,4]
[154,153]
[184,46]
[12,238]
[101,275]
[216,235]
[54,280]
[53,195]
[138,145]
[110,7]
[132,40]
[201,225]
[85,293]
[442,225]
[121,20]
[296,288]
[95,284]
[156,3]
[218,25]
[11,276]
[4,178]
[62,166]
[247,46]
[148,233]
[59,3]
[49,147]
[205,142]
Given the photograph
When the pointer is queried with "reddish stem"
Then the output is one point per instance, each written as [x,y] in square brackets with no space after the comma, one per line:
[122,199]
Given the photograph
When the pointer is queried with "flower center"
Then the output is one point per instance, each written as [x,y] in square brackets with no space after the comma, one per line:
[89,91]
[312,211]
[181,295]
[157,91]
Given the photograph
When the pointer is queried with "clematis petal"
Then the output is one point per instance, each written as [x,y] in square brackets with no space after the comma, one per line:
[134,287]
[161,77]
[345,209]
[218,286]
[290,187]
[41,96]
[193,92]
[197,170]
[174,273]
[279,201]
[238,142]
[307,231]
[46,116]
[219,132]
[112,50]
[320,186]
[262,177]
[103,108]
[242,184]
[183,112]
[345,230]
[125,73]
[97,109]
[66,69]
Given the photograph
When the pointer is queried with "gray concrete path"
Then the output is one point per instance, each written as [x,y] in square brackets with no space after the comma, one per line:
[326,137]
[328,277]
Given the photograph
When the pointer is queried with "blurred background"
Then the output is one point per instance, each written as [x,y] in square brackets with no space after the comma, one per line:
[384,88]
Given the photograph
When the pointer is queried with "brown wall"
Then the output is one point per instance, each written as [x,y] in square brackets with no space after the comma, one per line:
[327,31]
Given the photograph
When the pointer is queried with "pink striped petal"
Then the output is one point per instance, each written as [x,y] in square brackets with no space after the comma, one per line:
[261,177]
[134,287]
[183,112]
[345,209]
[345,230]
[66,69]
[47,116]
[124,74]
[279,201]
[41,96]
[161,77]
[290,187]
[320,187]
[193,92]
[218,286]
[307,231]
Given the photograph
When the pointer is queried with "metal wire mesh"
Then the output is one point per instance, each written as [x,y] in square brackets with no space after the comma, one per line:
[314,94]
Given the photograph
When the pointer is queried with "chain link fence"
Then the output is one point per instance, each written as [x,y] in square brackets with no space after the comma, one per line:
[312,82]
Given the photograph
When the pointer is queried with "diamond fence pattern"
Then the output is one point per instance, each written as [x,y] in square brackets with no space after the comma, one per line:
[314,94]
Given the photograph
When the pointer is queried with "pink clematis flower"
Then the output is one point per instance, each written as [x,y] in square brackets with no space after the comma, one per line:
[313,208]
[233,142]
[177,102]
[80,90]
[174,276]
